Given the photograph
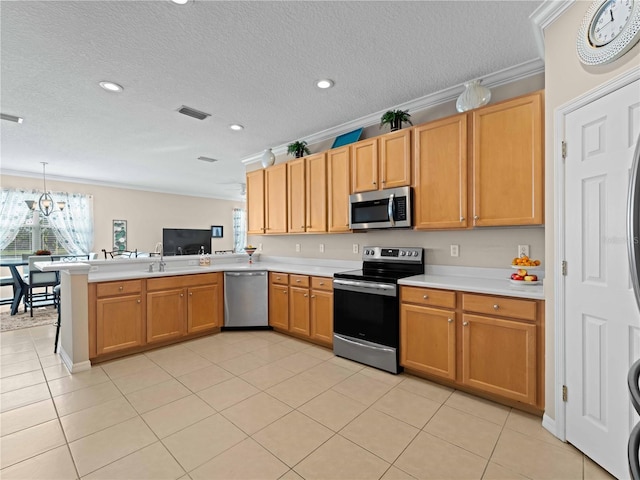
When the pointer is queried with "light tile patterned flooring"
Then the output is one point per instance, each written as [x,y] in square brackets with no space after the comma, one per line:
[255,405]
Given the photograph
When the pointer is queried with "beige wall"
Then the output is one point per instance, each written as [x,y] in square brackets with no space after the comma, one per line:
[146,213]
[565,79]
[481,247]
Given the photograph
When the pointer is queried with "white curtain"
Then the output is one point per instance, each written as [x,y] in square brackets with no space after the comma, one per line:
[13,213]
[239,230]
[73,226]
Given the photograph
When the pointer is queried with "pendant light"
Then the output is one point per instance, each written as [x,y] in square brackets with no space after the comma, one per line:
[45,203]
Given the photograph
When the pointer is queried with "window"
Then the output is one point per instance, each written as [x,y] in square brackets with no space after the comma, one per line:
[239,230]
[32,237]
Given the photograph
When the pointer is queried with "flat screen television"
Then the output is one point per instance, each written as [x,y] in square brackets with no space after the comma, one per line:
[185,241]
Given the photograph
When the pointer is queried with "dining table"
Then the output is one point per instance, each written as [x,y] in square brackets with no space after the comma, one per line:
[19,285]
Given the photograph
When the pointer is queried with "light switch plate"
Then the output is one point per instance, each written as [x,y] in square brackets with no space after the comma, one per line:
[455,250]
[297,247]
[355,248]
[259,247]
[322,248]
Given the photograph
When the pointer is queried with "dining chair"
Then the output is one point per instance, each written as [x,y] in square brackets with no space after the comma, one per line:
[37,281]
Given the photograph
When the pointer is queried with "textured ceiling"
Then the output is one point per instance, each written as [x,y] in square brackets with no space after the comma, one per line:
[254,63]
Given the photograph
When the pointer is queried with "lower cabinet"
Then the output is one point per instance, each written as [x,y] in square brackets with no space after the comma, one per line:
[279,300]
[127,315]
[488,343]
[299,311]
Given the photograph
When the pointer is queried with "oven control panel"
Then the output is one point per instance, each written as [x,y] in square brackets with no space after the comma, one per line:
[392,254]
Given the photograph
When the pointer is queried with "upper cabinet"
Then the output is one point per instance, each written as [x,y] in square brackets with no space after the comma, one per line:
[338,188]
[440,159]
[381,162]
[508,177]
[255,203]
[276,198]
[307,194]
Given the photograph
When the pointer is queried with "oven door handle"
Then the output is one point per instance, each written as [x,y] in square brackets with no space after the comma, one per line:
[391,210]
[365,344]
[373,288]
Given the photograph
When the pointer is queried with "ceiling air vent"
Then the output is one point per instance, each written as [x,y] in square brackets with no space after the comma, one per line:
[192,112]
[207,159]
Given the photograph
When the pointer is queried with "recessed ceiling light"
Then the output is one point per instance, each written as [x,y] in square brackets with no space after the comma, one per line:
[111,87]
[180,2]
[324,83]
[236,127]
[11,118]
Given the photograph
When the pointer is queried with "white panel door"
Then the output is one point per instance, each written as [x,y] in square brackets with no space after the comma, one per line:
[602,320]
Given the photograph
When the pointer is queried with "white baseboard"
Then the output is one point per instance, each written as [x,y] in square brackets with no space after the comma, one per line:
[549,424]
[74,367]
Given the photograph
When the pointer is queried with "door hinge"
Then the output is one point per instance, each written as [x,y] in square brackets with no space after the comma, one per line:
[564,268]
[564,149]
[564,393]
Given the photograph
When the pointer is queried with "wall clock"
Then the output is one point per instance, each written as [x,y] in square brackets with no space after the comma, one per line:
[609,29]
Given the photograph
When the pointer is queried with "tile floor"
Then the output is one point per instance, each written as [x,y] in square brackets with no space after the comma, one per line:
[255,405]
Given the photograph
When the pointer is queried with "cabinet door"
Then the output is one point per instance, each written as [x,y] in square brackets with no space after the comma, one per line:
[299,310]
[364,166]
[440,158]
[499,356]
[276,198]
[316,178]
[255,203]
[322,316]
[165,315]
[297,220]
[338,188]
[428,340]
[395,159]
[508,173]
[203,307]
[119,323]
[279,306]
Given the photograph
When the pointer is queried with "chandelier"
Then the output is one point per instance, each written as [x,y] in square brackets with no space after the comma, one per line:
[45,203]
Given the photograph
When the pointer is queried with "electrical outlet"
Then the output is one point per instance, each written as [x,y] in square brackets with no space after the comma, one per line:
[523,250]
[322,248]
[259,247]
[297,247]
[355,248]
[455,250]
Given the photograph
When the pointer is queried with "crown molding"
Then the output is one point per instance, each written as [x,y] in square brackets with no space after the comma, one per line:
[545,15]
[502,77]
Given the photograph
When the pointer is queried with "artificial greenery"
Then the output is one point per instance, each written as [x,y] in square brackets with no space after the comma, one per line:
[298,149]
[395,118]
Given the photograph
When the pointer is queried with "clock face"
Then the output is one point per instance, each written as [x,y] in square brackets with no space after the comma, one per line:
[610,28]
[609,21]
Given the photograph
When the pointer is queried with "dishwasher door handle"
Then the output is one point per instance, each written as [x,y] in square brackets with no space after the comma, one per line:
[246,274]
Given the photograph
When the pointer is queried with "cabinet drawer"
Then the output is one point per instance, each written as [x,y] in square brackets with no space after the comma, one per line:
[504,307]
[279,278]
[322,283]
[428,296]
[109,289]
[299,280]
[183,281]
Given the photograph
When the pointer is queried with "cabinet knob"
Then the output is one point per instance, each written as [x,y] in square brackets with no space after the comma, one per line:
[298,281]
[462,219]
[139,300]
[450,320]
[313,296]
[373,183]
[384,181]
[302,226]
[476,217]
[425,296]
[496,306]
[285,292]
[277,278]
[306,295]
[321,283]
[190,294]
[464,324]
[182,294]
[120,287]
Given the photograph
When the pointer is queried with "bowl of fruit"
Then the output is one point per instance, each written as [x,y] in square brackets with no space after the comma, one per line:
[523,274]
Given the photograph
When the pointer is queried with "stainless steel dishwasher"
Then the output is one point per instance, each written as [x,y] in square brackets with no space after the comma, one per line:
[246,299]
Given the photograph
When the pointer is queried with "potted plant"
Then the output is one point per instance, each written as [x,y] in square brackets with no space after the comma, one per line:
[395,118]
[298,149]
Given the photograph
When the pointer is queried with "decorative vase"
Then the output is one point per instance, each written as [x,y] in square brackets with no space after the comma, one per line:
[268,158]
[474,96]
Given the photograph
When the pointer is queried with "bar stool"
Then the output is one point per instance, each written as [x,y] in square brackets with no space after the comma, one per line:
[56,293]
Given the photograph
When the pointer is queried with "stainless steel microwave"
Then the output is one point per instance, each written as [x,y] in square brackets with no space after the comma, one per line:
[390,208]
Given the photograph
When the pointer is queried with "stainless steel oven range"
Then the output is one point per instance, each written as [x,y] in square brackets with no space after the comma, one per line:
[366,308]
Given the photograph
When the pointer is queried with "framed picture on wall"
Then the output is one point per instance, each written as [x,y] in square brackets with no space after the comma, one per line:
[216,231]
[119,235]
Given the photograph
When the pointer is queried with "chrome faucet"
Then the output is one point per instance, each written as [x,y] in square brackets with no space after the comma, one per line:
[162,263]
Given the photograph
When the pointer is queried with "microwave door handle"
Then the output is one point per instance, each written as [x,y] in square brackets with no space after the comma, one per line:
[391,211]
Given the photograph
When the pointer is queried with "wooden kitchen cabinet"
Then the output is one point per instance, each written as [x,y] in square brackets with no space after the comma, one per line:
[205,307]
[279,300]
[119,320]
[165,315]
[381,162]
[299,314]
[508,163]
[338,189]
[307,194]
[440,166]
[276,198]
[321,310]
[255,203]
[428,334]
